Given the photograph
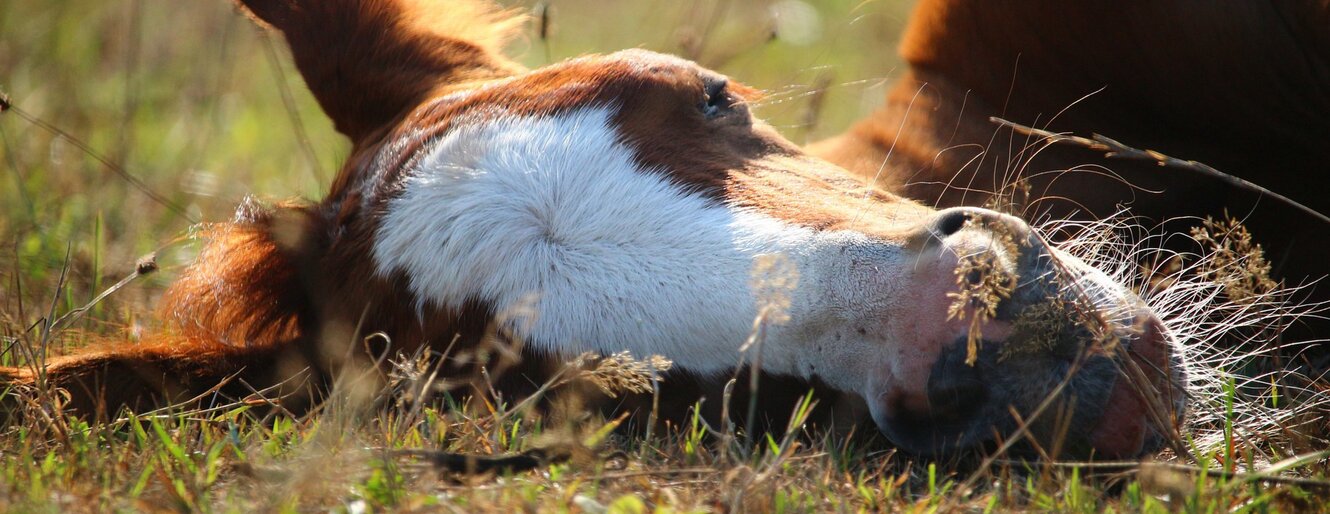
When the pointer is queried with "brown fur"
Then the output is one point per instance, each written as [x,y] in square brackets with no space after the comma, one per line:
[1239,85]
[369,61]
[1242,86]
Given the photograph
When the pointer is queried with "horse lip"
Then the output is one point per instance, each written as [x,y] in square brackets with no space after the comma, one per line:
[923,437]
[939,429]
[1131,420]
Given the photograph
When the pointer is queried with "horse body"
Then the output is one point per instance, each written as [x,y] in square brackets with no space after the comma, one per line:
[1244,88]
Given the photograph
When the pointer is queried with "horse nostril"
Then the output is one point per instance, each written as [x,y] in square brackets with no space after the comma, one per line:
[951,221]
[955,389]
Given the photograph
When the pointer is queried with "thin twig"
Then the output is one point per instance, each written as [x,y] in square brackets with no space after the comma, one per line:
[1114,149]
[70,317]
[117,169]
[288,101]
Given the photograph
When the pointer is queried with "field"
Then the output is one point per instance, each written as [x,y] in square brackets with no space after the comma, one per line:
[133,121]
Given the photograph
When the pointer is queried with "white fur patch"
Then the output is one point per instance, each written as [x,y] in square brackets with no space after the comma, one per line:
[552,215]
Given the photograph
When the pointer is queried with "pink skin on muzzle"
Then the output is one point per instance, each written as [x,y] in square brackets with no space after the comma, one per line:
[1126,421]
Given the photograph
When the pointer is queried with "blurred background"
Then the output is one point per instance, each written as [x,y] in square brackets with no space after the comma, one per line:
[200,108]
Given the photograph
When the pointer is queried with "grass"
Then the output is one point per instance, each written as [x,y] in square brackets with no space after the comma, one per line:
[200,109]
[349,457]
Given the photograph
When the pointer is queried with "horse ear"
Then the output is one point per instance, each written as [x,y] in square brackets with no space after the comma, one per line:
[369,61]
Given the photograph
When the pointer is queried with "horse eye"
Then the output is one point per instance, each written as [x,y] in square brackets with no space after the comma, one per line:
[718,100]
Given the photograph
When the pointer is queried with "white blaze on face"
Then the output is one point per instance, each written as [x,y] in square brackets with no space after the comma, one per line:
[553,215]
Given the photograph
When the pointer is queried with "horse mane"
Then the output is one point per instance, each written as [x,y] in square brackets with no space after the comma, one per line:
[244,288]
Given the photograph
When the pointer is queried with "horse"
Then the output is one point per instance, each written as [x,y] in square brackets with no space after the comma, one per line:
[627,202]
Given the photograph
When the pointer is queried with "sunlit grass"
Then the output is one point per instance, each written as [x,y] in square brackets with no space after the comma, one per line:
[348,457]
